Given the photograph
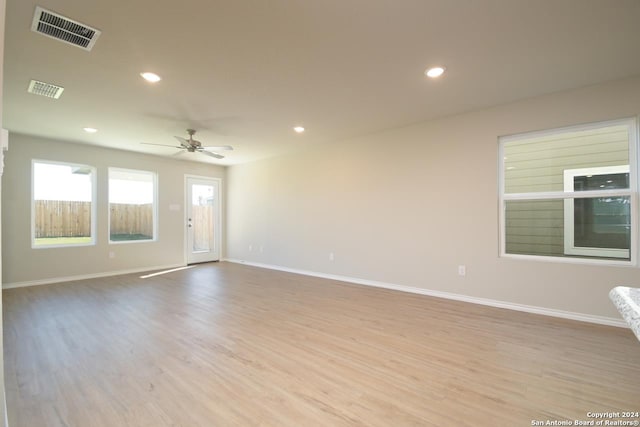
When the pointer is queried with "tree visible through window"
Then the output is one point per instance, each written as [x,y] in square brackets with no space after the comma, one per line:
[63,211]
[132,212]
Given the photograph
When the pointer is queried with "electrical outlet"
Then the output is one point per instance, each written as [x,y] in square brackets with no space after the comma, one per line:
[462,270]
[331,257]
[250,248]
[112,254]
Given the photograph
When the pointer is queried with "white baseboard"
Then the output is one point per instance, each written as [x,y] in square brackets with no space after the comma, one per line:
[601,320]
[87,276]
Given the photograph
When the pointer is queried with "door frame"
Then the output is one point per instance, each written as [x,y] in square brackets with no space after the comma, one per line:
[217,221]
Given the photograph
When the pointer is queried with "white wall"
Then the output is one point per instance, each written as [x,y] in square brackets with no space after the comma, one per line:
[24,264]
[407,206]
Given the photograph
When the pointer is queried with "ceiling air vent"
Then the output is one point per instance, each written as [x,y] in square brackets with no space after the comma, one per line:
[61,28]
[45,89]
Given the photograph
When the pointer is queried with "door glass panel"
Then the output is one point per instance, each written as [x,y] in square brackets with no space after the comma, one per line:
[602,222]
[202,197]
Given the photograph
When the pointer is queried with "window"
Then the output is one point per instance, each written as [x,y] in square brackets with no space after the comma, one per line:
[570,193]
[132,205]
[63,211]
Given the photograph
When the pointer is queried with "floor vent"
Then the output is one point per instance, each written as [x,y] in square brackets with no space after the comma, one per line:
[45,89]
[64,29]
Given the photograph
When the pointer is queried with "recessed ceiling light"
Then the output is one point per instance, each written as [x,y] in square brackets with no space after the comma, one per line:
[151,77]
[299,129]
[434,72]
[90,130]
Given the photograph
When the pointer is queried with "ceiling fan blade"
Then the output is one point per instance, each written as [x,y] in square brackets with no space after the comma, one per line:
[183,142]
[178,153]
[218,148]
[161,145]
[210,154]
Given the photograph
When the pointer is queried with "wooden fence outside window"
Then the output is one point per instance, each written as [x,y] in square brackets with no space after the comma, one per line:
[60,218]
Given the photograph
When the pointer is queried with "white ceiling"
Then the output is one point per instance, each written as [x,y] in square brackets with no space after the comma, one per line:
[244,72]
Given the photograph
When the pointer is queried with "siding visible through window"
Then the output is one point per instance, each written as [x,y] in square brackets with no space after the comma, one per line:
[533,193]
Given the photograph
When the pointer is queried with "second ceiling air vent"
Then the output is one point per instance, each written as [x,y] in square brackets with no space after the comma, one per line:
[64,29]
[45,89]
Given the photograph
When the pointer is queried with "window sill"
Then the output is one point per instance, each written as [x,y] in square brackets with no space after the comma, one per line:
[571,260]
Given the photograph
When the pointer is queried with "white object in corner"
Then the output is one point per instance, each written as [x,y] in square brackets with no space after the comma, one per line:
[627,301]
[4,143]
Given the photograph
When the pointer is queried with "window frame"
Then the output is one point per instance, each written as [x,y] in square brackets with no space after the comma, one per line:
[94,204]
[568,196]
[154,209]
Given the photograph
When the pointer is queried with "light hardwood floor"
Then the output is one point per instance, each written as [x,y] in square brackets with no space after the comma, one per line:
[230,345]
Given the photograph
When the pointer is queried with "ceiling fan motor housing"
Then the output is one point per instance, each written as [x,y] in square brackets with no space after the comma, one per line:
[194,144]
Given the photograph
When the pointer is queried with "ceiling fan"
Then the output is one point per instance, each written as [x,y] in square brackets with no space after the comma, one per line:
[193,146]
